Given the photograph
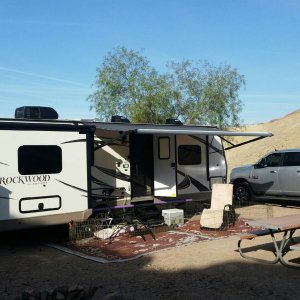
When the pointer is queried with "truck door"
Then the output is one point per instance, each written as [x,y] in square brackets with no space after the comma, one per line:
[264,179]
[164,166]
[289,174]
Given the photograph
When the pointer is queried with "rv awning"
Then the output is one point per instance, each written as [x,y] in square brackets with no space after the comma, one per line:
[171,129]
[220,133]
[202,132]
[127,128]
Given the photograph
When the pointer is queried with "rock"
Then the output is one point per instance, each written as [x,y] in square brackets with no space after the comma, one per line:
[63,289]
[25,296]
[112,296]
[73,288]
[60,296]
[73,295]
[98,294]
[74,292]
[83,295]
[80,288]
[44,295]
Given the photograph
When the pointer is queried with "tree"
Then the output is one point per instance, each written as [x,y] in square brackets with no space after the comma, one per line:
[209,95]
[127,85]
[195,93]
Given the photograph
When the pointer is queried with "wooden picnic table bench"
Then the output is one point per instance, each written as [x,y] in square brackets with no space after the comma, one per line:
[255,233]
[270,226]
[252,235]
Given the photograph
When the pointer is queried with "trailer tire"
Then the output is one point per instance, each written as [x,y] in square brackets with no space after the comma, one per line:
[242,194]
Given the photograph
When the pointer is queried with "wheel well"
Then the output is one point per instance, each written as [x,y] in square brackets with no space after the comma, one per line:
[240,180]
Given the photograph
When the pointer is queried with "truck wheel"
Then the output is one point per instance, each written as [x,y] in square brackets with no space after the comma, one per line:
[242,194]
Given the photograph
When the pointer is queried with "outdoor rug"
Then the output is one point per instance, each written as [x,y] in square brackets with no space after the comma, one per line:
[127,246]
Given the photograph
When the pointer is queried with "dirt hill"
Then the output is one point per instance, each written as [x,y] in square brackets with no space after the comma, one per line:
[286,131]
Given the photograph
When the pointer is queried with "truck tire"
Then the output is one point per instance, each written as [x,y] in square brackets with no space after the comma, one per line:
[242,194]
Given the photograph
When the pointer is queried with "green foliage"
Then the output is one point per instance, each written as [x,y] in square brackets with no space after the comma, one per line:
[209,95]
[195,93]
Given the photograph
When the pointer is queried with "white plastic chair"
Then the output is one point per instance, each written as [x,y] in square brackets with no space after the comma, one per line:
[221,201]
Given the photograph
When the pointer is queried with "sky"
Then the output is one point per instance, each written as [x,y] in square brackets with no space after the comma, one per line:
[50,50]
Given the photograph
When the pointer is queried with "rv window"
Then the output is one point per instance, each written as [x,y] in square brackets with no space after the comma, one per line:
[164,148]
[189,155]
[39,160]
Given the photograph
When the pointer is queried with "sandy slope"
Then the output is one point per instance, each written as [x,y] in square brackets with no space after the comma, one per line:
[286,131]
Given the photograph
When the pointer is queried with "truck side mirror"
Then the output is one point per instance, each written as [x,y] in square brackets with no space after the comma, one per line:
[261,164]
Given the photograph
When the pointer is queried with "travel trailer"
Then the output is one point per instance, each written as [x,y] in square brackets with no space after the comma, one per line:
[54,171]
[44,172]
[147,162]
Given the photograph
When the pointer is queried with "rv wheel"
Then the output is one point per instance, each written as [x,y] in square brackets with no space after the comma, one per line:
[242,194]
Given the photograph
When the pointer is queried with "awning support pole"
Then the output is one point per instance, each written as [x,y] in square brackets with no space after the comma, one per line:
[241,144]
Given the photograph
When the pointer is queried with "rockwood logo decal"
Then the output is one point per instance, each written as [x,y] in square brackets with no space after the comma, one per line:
[26,179]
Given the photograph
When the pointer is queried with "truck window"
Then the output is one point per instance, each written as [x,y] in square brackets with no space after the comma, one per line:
[273,160]
[291,159]
[39,159]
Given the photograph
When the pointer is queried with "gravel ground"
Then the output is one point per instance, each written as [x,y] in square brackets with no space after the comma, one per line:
[210,269]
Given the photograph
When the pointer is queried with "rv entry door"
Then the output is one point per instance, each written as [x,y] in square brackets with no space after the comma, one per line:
[164,166]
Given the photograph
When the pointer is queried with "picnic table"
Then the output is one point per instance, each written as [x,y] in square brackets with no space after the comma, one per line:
[271,226]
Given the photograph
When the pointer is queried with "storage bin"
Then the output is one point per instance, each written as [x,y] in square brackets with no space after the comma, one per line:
[173,216]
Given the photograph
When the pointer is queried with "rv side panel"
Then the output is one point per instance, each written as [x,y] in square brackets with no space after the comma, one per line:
[200,163]
[111,169]
[217,161]
[191,165]
[44,177]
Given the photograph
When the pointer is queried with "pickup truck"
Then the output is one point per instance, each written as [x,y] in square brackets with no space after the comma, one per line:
[275,175]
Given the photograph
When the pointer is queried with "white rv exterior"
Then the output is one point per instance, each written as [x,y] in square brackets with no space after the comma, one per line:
[44,173]
[140,162]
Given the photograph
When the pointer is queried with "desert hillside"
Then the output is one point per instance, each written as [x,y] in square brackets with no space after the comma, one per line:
[286,131]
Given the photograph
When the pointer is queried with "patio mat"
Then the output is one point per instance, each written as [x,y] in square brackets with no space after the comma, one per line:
[127,247]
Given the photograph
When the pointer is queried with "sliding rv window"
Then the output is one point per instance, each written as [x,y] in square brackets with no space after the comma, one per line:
[164,148]
[189,155]
[39,159]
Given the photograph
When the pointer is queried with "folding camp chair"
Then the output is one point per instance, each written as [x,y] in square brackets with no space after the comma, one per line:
[221,211]
[131,224]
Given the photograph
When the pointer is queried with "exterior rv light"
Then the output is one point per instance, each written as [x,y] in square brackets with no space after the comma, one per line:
[173,121]
[119,119]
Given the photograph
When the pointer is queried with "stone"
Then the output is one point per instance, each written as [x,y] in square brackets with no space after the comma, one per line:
[113,296]
[25,296]
[63,289]
[99,293]
[44,295]
[60,296]
[74,294]
[73,288]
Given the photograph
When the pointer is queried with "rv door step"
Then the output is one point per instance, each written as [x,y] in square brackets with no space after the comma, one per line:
[176,200]
[143,198]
